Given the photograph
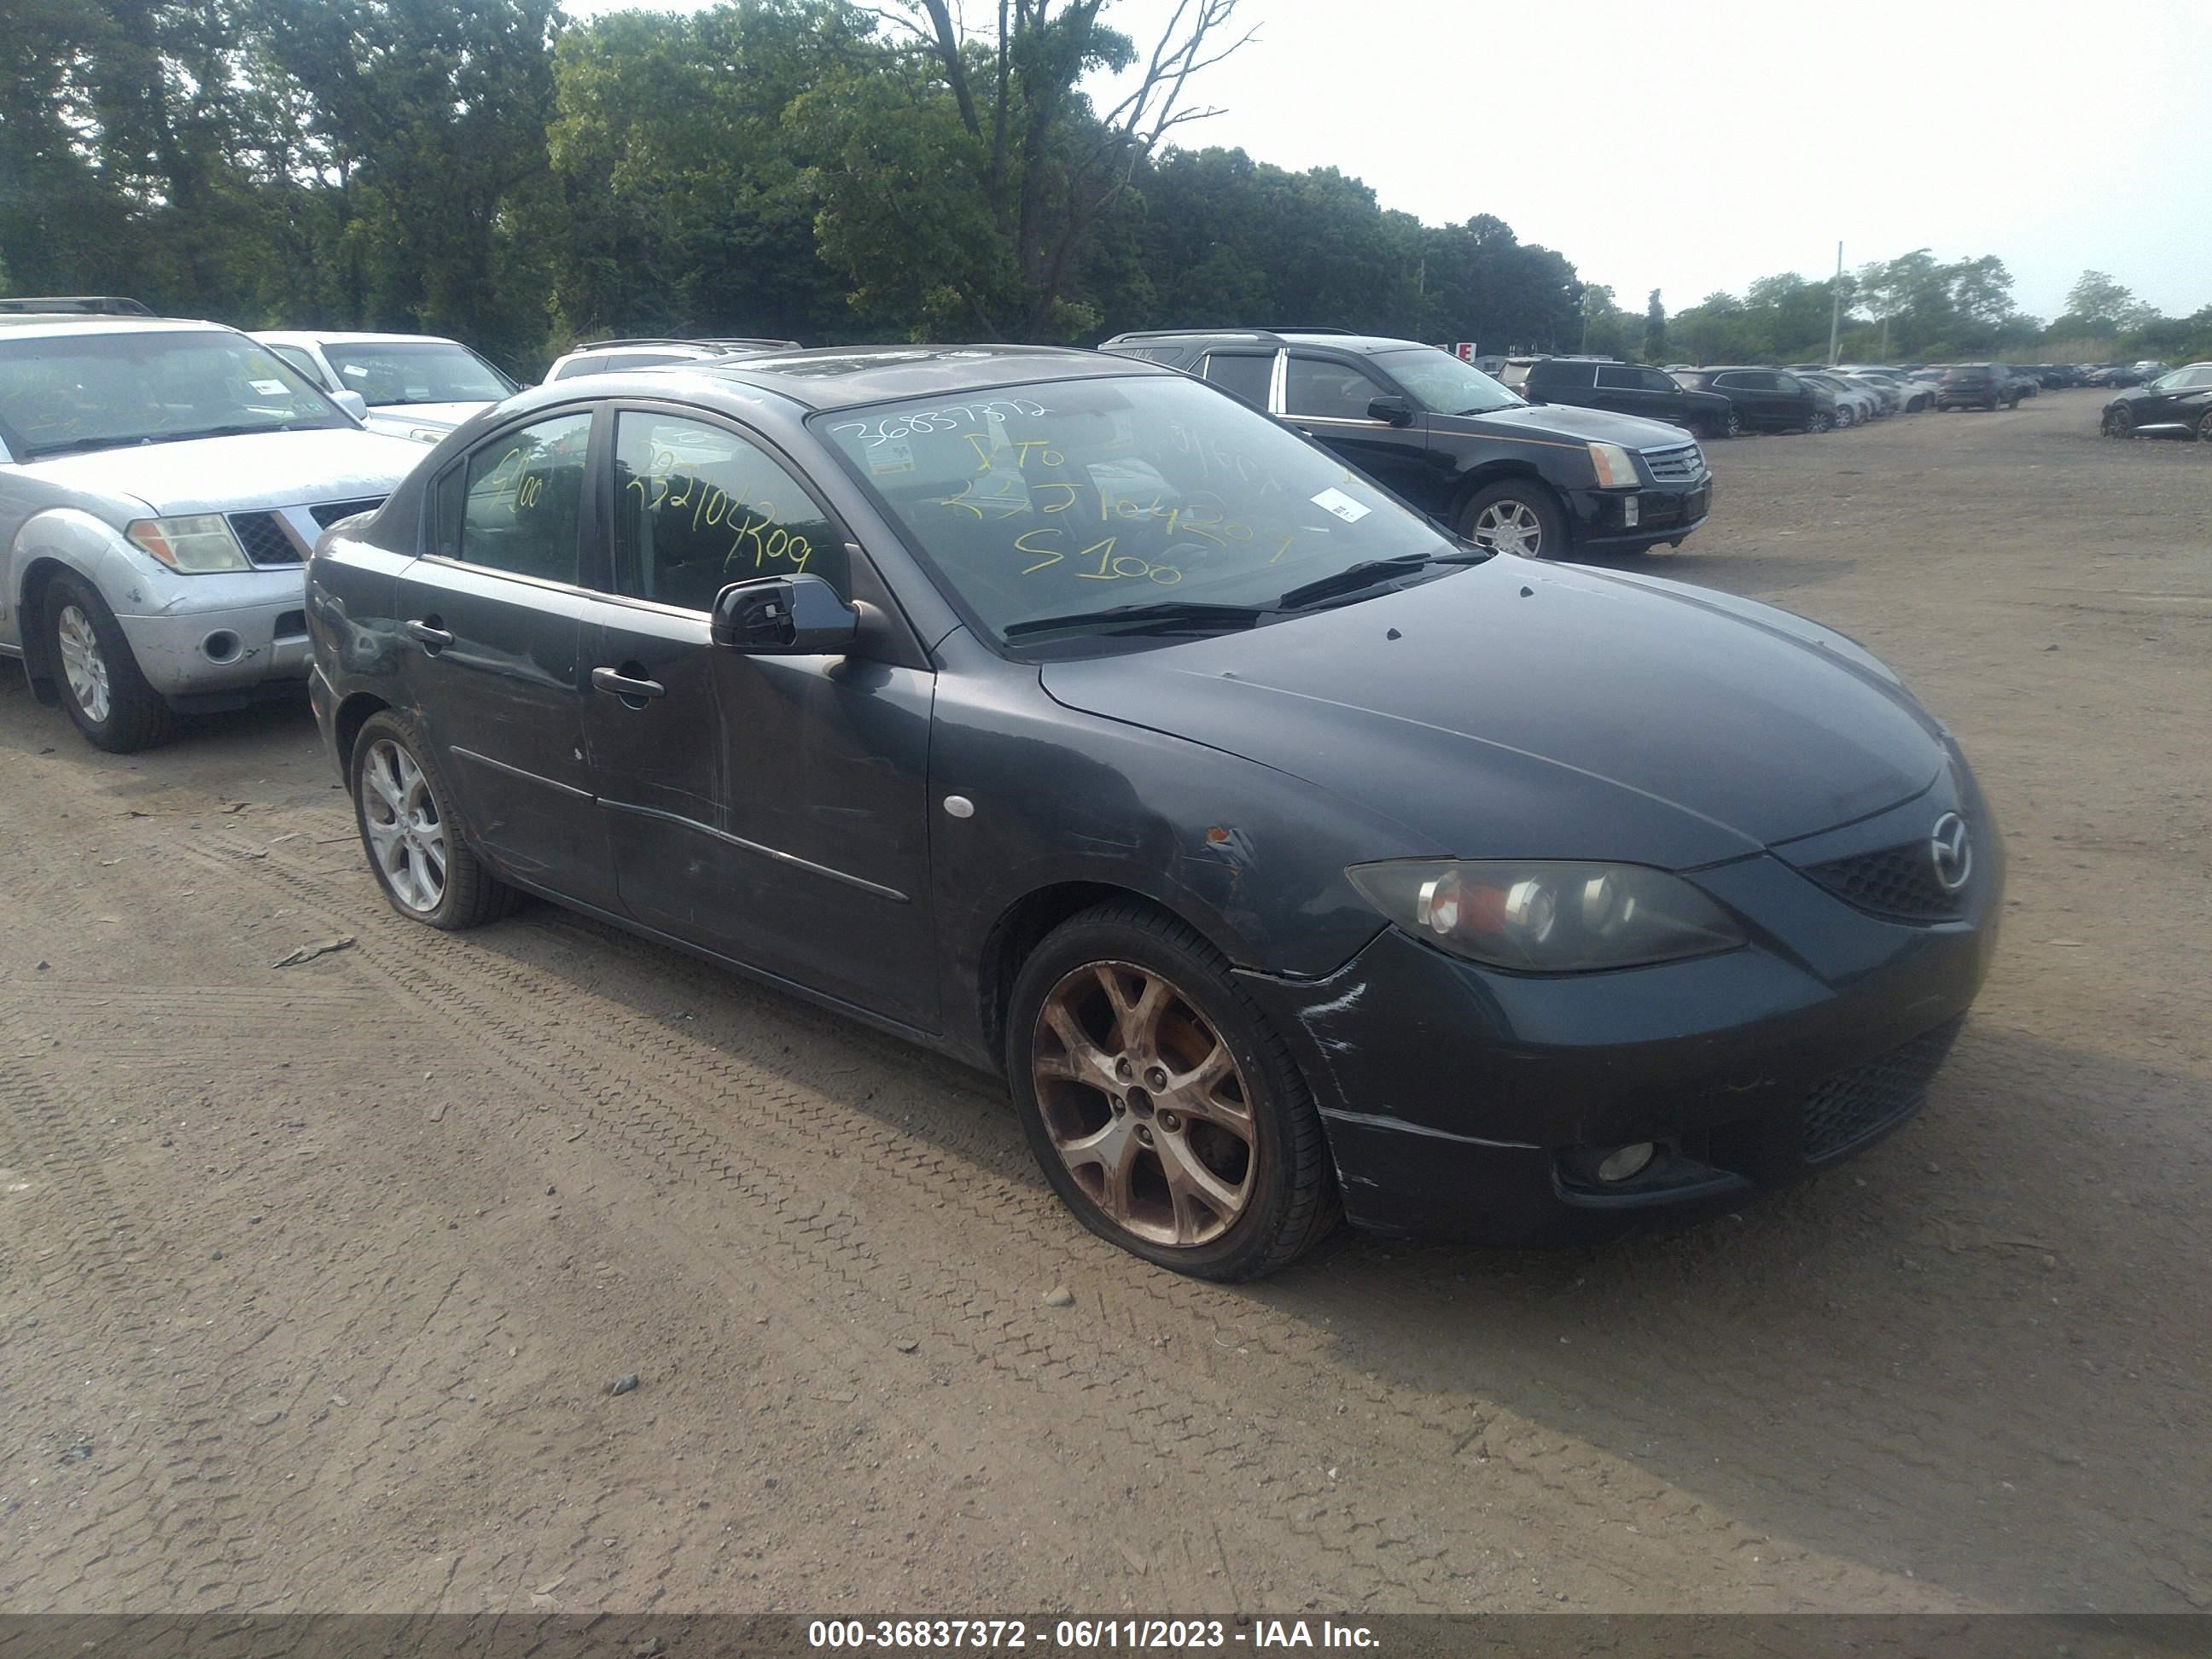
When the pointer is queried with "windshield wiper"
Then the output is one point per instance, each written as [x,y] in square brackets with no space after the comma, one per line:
[1161,615]
[1373,573]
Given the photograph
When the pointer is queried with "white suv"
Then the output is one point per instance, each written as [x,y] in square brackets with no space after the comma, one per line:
[160,482]
[608,356]
[416,385]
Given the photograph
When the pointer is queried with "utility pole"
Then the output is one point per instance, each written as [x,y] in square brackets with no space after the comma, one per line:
[1836,305]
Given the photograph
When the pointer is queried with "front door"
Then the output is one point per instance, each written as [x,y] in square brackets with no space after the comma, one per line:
[770,809]
[494,670]
[1327,399]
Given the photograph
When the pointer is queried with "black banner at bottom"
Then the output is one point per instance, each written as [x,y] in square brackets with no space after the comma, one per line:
[1053,1636]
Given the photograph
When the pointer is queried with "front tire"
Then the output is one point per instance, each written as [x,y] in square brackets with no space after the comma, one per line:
[100,684]
[414,840]
[1515,517]
[1161,1107]
[1822,421]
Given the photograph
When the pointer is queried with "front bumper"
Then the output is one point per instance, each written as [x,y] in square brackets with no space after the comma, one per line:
[238,638]
[1465,1103]
[1664,513]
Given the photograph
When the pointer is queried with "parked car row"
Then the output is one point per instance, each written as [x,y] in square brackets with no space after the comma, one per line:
[1177,730]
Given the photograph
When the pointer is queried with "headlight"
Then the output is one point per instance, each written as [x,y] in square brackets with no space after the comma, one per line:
[1616,467]
[193,545]
[1547,917]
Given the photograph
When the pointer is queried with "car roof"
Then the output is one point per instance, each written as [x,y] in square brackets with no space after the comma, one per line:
[345,337]
[843,377]
[38,323]
[1332,340]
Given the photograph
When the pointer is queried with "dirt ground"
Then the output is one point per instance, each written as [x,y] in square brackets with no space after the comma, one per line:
[314,1280]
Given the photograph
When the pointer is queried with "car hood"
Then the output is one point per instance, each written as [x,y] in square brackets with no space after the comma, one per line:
[400,419]
[1566,423]
[222,474]
[1517,709]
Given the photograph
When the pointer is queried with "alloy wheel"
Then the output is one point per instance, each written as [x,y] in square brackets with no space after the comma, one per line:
[82,664]
[2204,429]
[2119,423]
[1509,526]
[1144,1104]
[1734,427]
[407,830]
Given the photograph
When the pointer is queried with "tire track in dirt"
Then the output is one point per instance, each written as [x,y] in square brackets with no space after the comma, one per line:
[622,1088]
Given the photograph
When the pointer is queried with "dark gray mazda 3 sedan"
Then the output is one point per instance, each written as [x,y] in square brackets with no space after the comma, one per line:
[1067,715]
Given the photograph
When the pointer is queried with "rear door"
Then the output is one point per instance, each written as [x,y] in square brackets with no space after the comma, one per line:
[1249,374]
[1628,390]
[770,809]
[495,674]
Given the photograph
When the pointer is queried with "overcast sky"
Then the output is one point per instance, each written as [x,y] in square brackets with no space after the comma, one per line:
[1691,148]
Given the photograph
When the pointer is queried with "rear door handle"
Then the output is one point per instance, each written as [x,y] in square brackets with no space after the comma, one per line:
[621,685]
[432,638]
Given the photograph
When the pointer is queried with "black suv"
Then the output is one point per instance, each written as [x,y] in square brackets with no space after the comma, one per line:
[1543,482]
[1629,389]
[1765,400]
[1979,385]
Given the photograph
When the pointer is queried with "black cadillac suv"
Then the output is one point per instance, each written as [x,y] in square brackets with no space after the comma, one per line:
[1549,482]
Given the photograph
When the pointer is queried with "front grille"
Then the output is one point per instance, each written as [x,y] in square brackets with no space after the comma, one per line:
[329,513]
[263,536]
[1685,464]
[1853,1105]
[1897,882]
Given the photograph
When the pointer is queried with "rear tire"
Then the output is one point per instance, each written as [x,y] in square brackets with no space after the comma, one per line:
[1732,424]
[1160,1104]
[99,680]
[2205,428]
[417,845]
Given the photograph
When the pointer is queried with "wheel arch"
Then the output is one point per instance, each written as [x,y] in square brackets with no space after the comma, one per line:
[352,714]
[1028,920]
[38,576]
[1479,478]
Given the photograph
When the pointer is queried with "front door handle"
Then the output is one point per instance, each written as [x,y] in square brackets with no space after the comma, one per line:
[433,638]
[622,686]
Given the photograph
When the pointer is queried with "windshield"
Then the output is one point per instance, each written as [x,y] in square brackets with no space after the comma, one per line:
[1442,385]
[1075,500]
[387,372]
[96,390]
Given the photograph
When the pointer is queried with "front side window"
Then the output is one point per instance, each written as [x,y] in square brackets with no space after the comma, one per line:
[1329,390]
[61,394]
[1242,373]
[1444,385]
[1620,377]
[697,508]
[1787,383]
[520,499]
[301,361]
[1652,380]
[390,373]
[1073,506]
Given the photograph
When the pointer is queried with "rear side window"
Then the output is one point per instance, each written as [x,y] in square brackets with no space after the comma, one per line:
[697,508]
[1745,381]
[520,500]
[1329,390]
[1242,373]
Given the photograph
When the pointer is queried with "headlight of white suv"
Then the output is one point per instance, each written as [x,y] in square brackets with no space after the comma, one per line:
[1616,467]
[1545,917]
[196,545]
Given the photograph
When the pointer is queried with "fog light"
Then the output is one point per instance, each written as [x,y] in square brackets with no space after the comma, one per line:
[1627,1163]
[222,646]
[1630,510]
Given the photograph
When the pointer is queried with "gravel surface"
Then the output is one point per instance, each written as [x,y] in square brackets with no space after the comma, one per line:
[544,1269]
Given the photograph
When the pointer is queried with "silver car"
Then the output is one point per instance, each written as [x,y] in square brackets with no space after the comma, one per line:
[160,482]
[416,385]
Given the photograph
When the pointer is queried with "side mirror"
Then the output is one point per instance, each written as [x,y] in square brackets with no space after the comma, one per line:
[784,616]
[352,402]
[1399,411]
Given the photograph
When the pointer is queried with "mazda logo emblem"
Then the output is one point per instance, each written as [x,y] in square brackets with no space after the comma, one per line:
[1951,852]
